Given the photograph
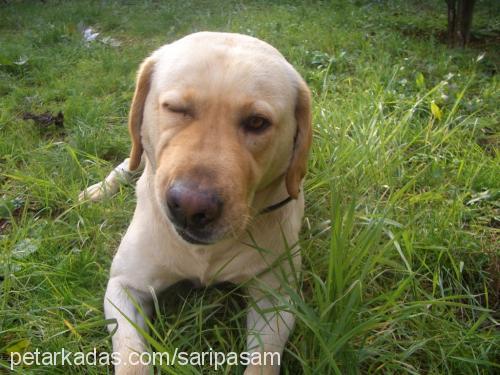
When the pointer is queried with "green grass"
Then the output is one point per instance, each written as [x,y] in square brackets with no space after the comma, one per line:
[400,241]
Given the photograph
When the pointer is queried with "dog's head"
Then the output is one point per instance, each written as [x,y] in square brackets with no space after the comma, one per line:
[220,117]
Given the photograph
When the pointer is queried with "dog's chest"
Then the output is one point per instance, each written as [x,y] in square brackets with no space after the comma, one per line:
[205,267]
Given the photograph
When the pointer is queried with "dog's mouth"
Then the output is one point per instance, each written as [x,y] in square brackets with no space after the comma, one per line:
[190,238]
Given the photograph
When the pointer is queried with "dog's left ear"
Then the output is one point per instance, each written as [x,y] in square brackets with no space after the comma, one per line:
[137,111]
[302,143]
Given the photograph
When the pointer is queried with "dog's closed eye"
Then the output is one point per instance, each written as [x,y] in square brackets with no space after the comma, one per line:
[177,109]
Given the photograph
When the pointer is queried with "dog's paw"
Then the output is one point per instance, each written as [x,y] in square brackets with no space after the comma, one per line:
[132,370]
[106,188]
[94,192]
[262,370]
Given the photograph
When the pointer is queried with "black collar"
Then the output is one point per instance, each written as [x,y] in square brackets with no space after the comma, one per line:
[278,205]
[275,206]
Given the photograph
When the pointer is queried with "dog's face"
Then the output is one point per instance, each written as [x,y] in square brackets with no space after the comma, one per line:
[220,118]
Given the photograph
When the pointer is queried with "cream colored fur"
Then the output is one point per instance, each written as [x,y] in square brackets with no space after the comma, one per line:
[215,79]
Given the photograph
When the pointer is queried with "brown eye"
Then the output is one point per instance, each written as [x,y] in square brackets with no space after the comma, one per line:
[256,124]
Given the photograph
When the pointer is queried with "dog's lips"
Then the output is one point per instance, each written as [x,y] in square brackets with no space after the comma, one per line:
[188,237]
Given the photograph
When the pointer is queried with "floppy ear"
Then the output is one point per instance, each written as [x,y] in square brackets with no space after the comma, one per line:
[137,110]
[302,143]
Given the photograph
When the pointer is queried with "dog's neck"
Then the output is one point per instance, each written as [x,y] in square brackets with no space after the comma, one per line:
[272,197]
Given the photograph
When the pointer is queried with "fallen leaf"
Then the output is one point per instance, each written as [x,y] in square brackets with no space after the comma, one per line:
[420,80]
[436,111]
[18,347]
[89,35]
[45,119]
[24,248]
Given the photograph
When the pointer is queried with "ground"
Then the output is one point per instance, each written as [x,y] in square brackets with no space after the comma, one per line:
[400,238]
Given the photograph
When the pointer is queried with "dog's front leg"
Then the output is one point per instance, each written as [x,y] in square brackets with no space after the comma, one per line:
[120,304]
[268,325]
[111,184]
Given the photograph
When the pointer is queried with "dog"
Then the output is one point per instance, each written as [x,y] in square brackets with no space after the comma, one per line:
[222,125]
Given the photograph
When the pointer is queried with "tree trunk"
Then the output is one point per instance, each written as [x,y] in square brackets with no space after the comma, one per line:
[459,21]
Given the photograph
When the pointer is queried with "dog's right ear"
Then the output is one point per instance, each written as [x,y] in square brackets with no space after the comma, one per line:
[137,110]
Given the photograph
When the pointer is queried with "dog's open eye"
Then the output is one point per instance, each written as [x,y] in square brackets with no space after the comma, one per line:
[256,124]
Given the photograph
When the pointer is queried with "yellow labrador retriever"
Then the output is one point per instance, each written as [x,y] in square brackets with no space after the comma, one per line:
[224,123]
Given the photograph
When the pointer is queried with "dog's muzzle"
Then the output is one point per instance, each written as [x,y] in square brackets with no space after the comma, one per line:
[193,211]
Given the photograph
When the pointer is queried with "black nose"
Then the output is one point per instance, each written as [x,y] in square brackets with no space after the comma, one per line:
[192,208]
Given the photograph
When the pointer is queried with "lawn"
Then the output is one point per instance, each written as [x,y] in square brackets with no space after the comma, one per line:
[400,239]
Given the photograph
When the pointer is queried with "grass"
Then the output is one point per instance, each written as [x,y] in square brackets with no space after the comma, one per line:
[400,241]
